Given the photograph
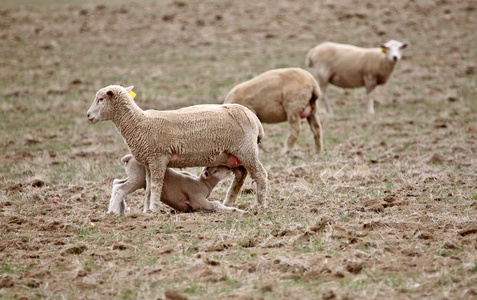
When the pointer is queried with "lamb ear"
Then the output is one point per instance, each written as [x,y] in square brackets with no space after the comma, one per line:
[129,88]
[110,93]
[404,45]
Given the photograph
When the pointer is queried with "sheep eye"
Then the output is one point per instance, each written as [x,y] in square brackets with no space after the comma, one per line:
[100,99]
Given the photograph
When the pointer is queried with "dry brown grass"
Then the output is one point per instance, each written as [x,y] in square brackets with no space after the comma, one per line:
[388,211]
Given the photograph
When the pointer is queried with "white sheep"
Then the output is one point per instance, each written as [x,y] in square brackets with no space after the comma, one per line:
[280,95]
[181,190]
[348,66]
[201,135]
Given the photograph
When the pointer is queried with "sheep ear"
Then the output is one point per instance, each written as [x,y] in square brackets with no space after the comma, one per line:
[110,93]
[129,88]
[126,158]
[404,45]
[383,49]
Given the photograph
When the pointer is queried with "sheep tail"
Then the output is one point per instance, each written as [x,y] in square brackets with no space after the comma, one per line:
[309,61]
[260,133]
[315,95]
[254,120]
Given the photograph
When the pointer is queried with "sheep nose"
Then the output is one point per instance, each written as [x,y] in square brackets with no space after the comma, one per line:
[88,115]
[395,58]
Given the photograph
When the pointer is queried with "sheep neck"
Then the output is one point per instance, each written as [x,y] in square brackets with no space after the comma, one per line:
[127,116]
[387,66]
[383,70]
[211,183]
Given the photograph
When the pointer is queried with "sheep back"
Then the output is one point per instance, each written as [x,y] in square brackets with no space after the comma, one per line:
[201,135]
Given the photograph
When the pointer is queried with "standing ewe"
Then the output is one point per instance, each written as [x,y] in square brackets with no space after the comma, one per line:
[349,66]
[201,135]
[282,95]
[181,190]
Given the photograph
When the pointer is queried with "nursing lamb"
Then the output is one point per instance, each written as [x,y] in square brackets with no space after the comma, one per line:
[181,190]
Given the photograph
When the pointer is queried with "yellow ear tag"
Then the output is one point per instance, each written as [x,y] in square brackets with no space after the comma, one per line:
[383,49]
[133,94]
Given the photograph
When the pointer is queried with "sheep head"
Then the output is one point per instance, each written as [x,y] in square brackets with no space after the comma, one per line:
[219,172]
[102,108]
[392,50]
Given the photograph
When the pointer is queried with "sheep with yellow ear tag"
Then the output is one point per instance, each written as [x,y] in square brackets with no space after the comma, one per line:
[194,136]
[348,66]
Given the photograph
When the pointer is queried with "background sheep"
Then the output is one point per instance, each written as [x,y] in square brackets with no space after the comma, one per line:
[181,190]
[349,66]
[282,95]
[202,135]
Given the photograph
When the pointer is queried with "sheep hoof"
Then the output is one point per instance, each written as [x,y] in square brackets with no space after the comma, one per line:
[154,208]
[117,213]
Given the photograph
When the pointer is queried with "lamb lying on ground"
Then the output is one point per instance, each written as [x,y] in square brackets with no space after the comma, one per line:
[181,190]
[282,95]
[201,135]
[349,66]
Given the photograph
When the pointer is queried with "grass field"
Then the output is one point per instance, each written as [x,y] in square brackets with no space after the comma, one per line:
[388,211]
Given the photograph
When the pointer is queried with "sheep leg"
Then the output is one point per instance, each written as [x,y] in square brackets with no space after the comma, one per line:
[323,84]
[123,207]
[219,206]
[294,122]
[117,204]
[118,181]
[259,176]
[240,173]
[210,206]
[157,172]
[147,198]
[315,127]
[370,83]
[117,196]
